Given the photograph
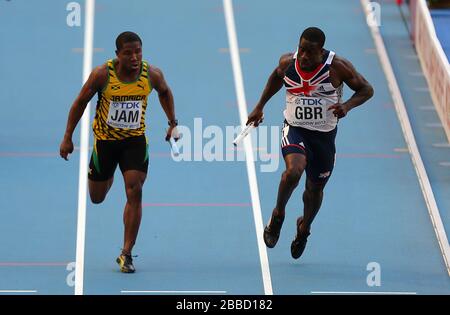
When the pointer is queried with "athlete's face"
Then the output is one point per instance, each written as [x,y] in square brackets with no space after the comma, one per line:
[309,55]
[130,56]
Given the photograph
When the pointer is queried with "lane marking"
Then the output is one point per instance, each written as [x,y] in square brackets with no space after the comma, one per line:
[422,89]
[81,50]
[403,150]
[32,264]
[84,149]
[171,292]
[441,145]
[408,133]
[416,74]
[368,156]
[411,56]
[364,292]
[370,51]
[430,108]
[241,50]
[240,93]
[18,291]
[29,154]
[196,204]
[434,125]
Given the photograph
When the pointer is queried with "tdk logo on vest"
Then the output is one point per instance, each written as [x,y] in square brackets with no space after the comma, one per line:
[127,105]
[308,101]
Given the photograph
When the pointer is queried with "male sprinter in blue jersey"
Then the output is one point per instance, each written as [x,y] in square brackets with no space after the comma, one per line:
[123,85]
[314,78]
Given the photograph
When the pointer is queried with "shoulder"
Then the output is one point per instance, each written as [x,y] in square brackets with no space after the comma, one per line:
[100,72]
[156,78]
[283,64]
[154,71]
[341,65]
[285,60]
[155,75]
[99,76]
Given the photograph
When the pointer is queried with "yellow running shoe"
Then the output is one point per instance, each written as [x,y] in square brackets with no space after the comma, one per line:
[126,263]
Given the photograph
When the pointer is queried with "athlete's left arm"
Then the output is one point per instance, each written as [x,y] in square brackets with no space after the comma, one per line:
[346,72]
[165,96]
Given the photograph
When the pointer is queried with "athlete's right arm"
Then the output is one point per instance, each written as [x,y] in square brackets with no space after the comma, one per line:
[273,85]
[95,83]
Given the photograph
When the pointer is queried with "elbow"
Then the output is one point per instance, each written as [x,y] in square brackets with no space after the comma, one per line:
[370,91]
[164,93]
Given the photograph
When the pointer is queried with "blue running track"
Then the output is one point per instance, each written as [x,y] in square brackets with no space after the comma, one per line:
[198,232]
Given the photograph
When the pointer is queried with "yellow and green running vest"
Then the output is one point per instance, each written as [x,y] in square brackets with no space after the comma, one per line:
[121,106]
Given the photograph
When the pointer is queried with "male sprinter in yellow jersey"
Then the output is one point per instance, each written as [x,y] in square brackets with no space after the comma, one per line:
[123,85]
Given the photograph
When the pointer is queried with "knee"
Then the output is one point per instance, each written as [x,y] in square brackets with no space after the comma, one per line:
[292,176]
[134,192]
[99,190]
[96,199]
[314,189]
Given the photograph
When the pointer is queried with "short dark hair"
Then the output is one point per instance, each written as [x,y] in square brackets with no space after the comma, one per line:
[127,37]
[315,35]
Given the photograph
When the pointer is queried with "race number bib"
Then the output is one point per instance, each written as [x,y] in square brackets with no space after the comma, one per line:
[125,115]
[307,110]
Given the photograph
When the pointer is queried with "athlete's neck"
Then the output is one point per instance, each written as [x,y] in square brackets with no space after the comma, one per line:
[126,75]
[314,67]
[309,69]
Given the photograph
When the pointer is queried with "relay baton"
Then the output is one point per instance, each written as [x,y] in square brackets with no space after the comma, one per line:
[173,142]
[174,147]
[244,133]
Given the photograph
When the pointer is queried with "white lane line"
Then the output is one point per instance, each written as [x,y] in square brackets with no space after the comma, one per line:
[441,145]
[434,125]
[402,114]
[422,89]
[227,50]
[411,56]
[171,292]
[18,291]
[364,292]
[370,51]
[430,108]
[80,50]
[243,114]
[84,149]
[416,74]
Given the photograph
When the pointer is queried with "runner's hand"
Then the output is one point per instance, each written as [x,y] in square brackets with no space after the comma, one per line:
[172,132]
[256,116]
[339,110]
[66,148]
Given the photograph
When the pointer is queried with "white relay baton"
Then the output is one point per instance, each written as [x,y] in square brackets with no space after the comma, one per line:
[173,143]
[244,133]
[174,147]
